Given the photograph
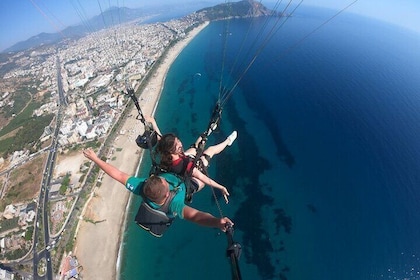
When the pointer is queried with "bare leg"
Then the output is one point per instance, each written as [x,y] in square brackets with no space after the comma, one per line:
[216,149]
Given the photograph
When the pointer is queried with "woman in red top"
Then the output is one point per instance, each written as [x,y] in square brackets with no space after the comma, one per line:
[174,159]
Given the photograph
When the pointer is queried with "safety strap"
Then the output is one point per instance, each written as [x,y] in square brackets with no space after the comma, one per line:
[155,221]
[149,138]
[233,252]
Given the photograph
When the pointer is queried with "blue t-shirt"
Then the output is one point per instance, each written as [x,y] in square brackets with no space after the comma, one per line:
[135,186]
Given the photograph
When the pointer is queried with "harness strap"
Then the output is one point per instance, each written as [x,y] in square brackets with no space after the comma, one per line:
[233,252]
[149,138]
[156,221]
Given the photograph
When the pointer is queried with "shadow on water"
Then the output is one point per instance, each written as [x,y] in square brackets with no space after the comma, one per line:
[282,220]
[257,105]
[256,241]
[312,208]
[242,170]
[185,89]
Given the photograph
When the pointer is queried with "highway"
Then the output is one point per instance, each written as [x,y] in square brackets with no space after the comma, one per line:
[44,194]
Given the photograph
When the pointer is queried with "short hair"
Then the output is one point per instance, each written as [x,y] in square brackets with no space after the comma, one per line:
[154,189]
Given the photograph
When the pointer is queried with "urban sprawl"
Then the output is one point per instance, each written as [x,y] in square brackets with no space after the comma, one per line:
[84,80]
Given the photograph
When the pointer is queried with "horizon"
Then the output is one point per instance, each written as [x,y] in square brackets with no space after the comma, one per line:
[50,17]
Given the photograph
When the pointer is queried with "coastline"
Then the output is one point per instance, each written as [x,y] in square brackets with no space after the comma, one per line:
[97,245]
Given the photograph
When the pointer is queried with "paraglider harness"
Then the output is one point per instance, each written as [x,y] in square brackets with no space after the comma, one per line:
[157,221]
[147,141]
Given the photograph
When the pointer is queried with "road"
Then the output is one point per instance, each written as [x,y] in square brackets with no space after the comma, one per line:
[44,194]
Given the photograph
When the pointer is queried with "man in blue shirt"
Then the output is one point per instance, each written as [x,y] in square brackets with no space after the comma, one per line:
[157,190]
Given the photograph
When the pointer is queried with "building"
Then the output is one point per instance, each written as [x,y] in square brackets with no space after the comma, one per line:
[9,212]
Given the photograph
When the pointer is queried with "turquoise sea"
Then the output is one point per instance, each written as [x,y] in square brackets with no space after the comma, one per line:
[325,174]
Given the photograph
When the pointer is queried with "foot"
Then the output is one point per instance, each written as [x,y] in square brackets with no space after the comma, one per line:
[232,137]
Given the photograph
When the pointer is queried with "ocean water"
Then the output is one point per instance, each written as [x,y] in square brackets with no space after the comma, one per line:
[325,174]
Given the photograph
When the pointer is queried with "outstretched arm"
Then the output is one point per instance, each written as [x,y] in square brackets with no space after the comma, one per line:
[208,181]
[152,120]
[205,219]
[112,171]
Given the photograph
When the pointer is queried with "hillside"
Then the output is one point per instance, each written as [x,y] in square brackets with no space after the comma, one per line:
[244,8]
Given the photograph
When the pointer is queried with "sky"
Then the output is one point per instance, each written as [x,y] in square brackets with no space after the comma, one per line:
[22,19]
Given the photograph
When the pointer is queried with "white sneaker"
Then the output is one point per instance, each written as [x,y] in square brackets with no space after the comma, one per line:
[232,137]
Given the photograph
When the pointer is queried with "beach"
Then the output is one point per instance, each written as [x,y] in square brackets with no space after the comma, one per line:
[102,223]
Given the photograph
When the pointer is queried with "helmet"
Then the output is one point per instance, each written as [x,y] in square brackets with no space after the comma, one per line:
[147,139]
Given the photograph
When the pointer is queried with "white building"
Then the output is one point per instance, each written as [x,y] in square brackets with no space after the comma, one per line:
[81,128]
[6,275]
[90,133]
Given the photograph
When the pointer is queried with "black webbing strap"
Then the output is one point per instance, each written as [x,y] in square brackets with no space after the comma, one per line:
[234,248]
[233,252]
[149,138]
[213,123]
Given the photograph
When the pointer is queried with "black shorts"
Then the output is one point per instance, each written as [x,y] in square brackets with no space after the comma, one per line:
[194,185]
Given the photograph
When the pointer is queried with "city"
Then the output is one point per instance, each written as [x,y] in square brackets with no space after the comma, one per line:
[77,89]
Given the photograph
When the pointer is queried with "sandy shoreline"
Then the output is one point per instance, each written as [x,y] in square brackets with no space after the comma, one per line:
[97,244]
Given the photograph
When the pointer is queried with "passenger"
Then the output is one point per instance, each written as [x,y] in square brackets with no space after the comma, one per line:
[157,190]
[174,159]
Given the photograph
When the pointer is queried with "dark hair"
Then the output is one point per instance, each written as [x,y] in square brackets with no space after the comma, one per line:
[154,189]
[165,148]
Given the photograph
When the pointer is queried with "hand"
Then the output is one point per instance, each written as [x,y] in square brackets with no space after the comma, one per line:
[225,223]
[90,154]
[225,194]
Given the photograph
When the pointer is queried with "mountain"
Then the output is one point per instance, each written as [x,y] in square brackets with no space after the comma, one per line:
[117,15]
[35,41]
[110,17]
[245,8]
